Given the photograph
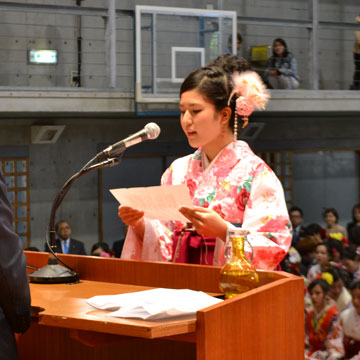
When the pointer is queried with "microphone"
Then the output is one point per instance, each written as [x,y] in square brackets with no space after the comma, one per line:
[149,132]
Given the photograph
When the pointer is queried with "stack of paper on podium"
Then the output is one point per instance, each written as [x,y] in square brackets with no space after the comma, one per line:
[154,304]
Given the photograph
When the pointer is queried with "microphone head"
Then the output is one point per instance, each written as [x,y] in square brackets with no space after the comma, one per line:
[152,130]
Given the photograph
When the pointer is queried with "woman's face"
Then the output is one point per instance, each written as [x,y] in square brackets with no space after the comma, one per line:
[355,294]
[336,289]
[201,123]
[330,218]
[318,297]
[322,255]
[279,48]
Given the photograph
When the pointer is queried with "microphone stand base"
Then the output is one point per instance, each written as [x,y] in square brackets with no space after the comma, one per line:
[53,274]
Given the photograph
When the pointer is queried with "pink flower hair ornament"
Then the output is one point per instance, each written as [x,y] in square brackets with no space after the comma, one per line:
[251,94]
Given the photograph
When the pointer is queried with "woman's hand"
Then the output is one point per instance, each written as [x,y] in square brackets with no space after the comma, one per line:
[273,72]
[206,222]
[133,218]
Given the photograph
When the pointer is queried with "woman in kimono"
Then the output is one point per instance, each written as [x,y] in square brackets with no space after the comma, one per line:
[323,340]
[229,185]
[323,258]
[350,324]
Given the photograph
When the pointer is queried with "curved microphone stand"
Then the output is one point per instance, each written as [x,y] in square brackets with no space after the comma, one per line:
[53,273]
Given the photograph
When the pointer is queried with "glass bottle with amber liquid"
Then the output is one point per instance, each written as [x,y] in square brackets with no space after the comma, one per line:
[238,274]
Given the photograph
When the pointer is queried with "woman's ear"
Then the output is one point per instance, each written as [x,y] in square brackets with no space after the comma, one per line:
[226,114]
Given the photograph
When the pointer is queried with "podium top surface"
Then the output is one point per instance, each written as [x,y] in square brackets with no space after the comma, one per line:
[64,305]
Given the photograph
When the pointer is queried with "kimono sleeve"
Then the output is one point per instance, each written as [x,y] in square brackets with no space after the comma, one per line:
[334,343]
[267,220]
[157,242]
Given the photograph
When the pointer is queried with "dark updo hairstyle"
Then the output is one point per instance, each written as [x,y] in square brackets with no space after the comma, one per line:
[102,245]
[283,43]
[339,274]
[336,273]
[231,63]
[355,285]
[306,245]
[313,229]
[335,244]
[349,252]
[323,284]
[215,83]
[331,211]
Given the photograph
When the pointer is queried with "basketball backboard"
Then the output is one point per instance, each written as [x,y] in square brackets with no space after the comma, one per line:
[172,42]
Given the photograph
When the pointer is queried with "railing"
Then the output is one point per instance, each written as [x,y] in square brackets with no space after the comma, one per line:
[96,46]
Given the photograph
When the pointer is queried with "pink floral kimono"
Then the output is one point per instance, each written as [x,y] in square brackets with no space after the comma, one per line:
[350,323]
[240,187]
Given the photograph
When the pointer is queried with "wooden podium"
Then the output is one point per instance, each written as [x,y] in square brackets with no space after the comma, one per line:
[266,323]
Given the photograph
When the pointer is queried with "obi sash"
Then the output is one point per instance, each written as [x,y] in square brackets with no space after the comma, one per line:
[191,248]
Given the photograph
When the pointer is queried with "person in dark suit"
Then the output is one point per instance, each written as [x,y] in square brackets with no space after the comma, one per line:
[117,247]
[297,219]
[15,292]
[119,244]
[65,244]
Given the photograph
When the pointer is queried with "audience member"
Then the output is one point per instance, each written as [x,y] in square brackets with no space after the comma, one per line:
[350,324]
[119,244]
[307,250]
[336,249]
[322,333]
[31,248]
[15,293]
[333,229]
[354,225]
[338,291]
[296,218]
[356,51]
[101,249]
[323,257]
[238,44]
[316,231]
[65,244]
[354,236]
[291,262]
[118,247]
[350,261]
[281,67]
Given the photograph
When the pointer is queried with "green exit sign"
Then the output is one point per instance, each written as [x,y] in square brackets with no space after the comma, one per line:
[43,56]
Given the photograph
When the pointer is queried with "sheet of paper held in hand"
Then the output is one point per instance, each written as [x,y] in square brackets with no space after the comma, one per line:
[157,202]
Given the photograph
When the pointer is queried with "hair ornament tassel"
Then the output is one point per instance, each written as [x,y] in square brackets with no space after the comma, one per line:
[235,126]
[251,94]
